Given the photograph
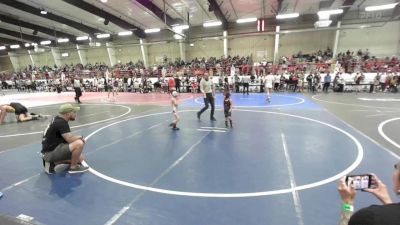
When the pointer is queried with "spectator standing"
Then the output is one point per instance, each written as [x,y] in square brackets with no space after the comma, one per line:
[310,82]
[226,85]
[246,83]
[237,83]
[327,82]
[125,83]
[357,81]
[177,84]
[382,81]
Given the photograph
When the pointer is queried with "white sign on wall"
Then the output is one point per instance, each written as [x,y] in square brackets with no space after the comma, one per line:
[159,59]
[261,54]
[370,15]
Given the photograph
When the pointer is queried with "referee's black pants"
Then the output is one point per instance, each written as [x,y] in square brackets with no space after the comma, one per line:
[209,99]
[246,86]
[78,93]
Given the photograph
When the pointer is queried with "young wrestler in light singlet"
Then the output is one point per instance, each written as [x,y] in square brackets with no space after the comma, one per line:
[174,104]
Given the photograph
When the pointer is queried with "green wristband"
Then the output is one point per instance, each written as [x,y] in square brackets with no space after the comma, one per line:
[347,208]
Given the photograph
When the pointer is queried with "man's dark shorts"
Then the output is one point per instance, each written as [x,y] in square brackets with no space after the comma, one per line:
[60,153]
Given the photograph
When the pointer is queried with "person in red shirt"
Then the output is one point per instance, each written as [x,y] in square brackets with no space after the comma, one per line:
[171,85]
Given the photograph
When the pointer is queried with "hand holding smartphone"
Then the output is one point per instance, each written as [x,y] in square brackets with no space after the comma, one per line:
[360,182]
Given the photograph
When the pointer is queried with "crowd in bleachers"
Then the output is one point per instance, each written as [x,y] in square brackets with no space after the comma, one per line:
[362,61]
[137,77]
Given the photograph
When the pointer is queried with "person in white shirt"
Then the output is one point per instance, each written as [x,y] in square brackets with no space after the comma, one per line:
[95,84]
[246,84]
[269,82]
[208,89]
[277,82]
[382,81]
[233,70]
[112,87]
[357,81]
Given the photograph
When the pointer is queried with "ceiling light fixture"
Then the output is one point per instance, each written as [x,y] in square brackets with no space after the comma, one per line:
[34,44]
[82,38]
[27,45]
[180,27]
[2,47]
[125,33]
[330,12]
[104,1]
[287,16]
[14,46]
[178,36]
[153,30]
[212,24]
[322,23]
[43,12]
[63,40]
[380,7]
[45,42]
[103,36]
[246,20]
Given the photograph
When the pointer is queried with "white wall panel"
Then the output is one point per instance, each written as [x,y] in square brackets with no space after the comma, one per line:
[97,55]
[206,48]
[306,42]
[157,51]
[126,54]
[5,64]
[24,61]
[73,57]
[45,59]
[380,41]
[258,47]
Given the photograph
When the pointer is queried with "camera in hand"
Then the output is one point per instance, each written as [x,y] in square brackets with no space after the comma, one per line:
[360,182]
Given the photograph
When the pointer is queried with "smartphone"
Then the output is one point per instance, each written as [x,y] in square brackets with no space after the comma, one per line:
[360,182]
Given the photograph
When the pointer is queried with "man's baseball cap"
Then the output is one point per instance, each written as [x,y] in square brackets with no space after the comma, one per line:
[67,108]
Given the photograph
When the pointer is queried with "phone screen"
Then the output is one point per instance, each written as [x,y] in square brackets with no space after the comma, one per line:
[359,181]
